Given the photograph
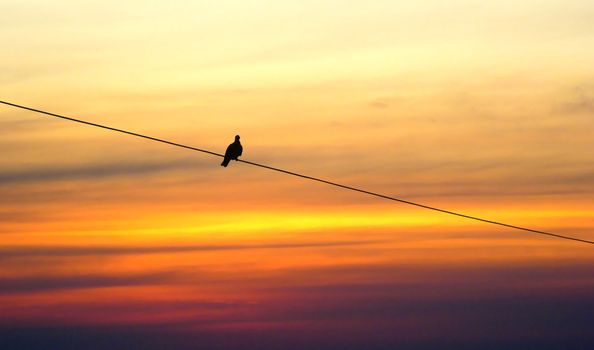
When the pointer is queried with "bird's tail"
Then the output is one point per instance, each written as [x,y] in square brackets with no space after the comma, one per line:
[225,162]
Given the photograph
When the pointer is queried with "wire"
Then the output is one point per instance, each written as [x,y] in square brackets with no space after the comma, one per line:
[300,175]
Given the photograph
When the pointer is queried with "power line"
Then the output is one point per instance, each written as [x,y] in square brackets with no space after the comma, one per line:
[299,175]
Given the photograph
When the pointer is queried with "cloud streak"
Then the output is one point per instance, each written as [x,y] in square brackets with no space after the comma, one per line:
[580,101]
[11,285]
[76,251]
[97,171]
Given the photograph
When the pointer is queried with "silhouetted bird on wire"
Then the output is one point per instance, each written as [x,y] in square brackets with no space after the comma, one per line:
[234,150]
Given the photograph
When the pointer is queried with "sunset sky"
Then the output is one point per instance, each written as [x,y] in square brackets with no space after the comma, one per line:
[114,242]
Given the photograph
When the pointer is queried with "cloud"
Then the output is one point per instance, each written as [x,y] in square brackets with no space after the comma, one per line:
[97,171]
[447,308]
[12,126]
[581,100]
[380,103]
[408,300]
[19,216]
[73,251]
[11,285]
[316,337]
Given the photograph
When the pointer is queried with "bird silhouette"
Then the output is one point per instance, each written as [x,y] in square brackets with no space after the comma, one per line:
[234,150]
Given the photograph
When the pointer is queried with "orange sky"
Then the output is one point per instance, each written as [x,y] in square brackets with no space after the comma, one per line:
[477,107]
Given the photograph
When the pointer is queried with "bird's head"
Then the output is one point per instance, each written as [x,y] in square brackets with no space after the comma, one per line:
[236,137]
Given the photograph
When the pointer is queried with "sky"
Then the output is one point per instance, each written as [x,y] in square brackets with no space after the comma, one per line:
[113,242]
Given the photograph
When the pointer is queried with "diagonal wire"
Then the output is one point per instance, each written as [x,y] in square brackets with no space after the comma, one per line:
[395,199]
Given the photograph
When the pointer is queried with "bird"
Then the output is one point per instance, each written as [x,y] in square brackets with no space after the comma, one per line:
[234,150]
